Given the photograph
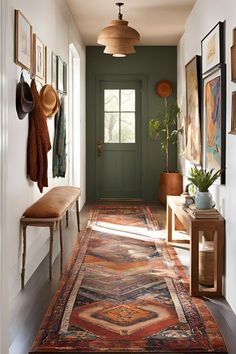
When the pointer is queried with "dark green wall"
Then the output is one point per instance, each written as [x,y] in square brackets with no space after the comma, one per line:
[151,64]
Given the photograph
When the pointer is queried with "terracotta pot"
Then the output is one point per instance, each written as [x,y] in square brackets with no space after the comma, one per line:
[171,183]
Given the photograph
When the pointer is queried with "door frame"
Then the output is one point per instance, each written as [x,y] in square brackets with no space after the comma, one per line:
[4,309]
[126,78]
[74,119]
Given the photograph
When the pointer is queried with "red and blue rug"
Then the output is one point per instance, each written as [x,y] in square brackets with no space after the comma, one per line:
[125,290]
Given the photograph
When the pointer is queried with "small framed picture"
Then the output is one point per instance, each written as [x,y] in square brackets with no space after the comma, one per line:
[54,70]
[233,114]
[213,48]
[233,57]
[60,68]
[39,58]
[23,41]
[64,77]
[214,120]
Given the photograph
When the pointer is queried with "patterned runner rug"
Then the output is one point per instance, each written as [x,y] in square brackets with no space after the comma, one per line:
[126,291]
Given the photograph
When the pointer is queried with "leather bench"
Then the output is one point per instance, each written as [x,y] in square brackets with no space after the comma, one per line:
[48,211]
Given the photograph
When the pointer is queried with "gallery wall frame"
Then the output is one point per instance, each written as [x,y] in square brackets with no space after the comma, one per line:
[54,70]
[193,110]
[214,120]
[233,114]
[212,48]
[65,77]
[60,74]
[23,41]
[39,59]
[233,57]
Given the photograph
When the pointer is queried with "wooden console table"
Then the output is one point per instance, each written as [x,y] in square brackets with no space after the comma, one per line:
[194,228]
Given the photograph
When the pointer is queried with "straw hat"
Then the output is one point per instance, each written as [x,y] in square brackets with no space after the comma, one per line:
[49,100]
[24,98]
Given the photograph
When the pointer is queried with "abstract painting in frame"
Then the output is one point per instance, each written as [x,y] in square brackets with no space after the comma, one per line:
[193,130]
[213,48]
[23,41]
[39,58]
[214,115]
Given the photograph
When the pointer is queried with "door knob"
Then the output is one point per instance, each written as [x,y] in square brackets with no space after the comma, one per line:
[99,148]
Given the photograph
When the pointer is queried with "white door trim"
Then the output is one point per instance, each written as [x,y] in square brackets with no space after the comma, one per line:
[74,128]
[4,324]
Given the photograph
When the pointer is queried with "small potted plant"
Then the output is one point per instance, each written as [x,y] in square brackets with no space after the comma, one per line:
[203,179]
[164,128]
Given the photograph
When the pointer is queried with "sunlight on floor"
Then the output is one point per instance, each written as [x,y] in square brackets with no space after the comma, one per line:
[139,233]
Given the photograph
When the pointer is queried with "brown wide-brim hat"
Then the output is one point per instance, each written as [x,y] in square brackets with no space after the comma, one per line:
[49,100]
[24,98]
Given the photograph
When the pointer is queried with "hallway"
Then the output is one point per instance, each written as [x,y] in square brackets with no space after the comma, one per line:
[27,314]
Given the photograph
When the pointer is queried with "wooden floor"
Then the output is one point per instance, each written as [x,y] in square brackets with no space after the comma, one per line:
[31,304]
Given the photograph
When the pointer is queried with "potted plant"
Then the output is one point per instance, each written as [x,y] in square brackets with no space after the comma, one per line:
[203,179]
[164,128]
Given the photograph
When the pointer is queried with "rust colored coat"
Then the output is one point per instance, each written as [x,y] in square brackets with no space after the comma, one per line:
[38,143]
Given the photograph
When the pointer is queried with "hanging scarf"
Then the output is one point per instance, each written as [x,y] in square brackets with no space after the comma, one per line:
[38,143]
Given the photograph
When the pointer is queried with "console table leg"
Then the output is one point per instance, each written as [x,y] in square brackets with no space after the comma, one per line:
[219,260]
[194,267]
[169,223]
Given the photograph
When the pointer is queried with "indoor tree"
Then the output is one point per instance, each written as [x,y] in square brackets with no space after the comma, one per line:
[164,128]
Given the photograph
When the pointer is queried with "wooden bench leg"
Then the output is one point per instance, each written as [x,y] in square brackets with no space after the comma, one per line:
[61,245]
[77,214]
[50,250]
[67,218]
[23,258]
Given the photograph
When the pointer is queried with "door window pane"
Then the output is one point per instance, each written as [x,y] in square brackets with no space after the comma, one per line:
[111,128]
[128,100]
[111,100]
[119,116]
[127,127]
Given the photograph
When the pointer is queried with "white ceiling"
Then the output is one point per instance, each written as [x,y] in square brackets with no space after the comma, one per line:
[159,22]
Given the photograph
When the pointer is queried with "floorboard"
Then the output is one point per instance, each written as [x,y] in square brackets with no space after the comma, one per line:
[31,304]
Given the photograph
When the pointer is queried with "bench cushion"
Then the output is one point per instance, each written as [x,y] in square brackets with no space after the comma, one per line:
[54,203]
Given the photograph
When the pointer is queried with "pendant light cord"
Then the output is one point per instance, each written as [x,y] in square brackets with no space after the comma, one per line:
[120,16]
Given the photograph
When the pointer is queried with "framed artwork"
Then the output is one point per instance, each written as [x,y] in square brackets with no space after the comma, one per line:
[192,123]
[54,70]
[39,58]
[214,117]
[60,74]
[233,114]
[213,48]
[23,41]
[64,77]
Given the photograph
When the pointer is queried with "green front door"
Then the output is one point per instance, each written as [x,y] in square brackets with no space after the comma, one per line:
[118,162]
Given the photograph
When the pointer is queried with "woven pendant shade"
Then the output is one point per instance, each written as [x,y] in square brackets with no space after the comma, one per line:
[118,38]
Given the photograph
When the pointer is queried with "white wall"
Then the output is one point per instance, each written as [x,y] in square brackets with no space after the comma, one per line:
[204,16]
[4,318]
[52,22]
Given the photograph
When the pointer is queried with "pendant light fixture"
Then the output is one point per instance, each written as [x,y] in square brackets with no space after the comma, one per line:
[118,37]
